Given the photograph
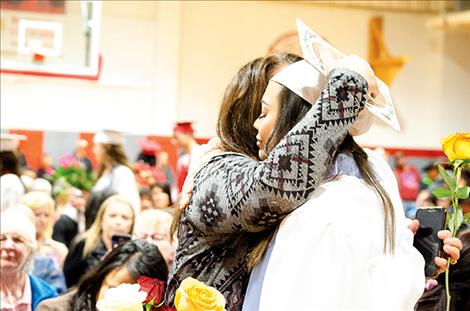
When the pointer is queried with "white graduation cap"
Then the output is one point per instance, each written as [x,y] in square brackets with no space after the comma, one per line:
[10,142]
[381,106]
[110,137]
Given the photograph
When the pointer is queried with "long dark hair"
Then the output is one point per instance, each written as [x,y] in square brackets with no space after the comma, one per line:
[114,154]
[241,106]
[241,103]
[138,256]
[292,108]
[9,163]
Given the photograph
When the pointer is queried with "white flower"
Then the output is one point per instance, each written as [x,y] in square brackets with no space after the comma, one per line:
[125,297]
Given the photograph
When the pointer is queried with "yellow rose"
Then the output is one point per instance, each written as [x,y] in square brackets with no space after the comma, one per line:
[193,295]
[457,146]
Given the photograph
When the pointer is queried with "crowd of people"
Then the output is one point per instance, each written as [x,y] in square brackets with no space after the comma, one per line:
[284,196]
[58,234]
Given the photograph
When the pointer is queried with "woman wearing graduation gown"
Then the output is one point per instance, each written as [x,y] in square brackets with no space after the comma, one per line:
[235,197]
[349,245]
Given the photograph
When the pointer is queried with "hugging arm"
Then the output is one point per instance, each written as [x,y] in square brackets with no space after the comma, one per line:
[234,193]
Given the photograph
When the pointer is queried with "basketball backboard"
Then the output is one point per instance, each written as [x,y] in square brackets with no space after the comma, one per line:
[51,38]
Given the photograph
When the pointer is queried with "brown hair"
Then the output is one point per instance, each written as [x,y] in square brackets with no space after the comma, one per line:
[113,154]
[241,103]
[241,106]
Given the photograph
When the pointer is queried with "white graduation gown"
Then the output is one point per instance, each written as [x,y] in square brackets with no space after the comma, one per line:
[328,254]
[122,181]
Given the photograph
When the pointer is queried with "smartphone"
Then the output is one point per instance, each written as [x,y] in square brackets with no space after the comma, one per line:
[118,239]
[426,241]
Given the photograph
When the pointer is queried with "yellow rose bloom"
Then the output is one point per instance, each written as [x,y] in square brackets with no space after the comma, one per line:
[193,295]
[457,146]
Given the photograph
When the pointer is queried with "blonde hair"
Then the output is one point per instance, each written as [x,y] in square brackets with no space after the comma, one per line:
[36,200]
[92,236]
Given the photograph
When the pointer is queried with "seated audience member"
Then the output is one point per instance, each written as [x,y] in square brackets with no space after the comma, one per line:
[41,184]
[50,255]
[11,187]
[154,227]
[47,167]
[425,199]
[161,195]
[145,199]
[19,290]
[409,182]
[42,206]
[115,216]
[430,175]
[71,221]
[122,265]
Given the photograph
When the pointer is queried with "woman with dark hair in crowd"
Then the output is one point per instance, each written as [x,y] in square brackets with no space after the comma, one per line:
[161,195]
[124,264]
[115,216]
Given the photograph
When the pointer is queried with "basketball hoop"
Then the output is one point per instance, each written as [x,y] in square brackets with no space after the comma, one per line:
[39,38]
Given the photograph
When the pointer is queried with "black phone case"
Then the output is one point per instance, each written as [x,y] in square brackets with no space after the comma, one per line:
[426,241]
[118,239]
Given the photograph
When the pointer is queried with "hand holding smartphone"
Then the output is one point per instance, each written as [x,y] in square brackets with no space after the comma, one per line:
[118,239]
[426,241]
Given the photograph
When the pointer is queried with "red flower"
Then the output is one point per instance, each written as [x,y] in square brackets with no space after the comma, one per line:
[154,289]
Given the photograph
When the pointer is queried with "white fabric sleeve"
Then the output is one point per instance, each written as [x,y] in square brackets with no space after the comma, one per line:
[124,183]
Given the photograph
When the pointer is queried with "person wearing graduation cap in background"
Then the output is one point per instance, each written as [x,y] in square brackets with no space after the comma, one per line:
[114,175]
[11,187]
[183,137]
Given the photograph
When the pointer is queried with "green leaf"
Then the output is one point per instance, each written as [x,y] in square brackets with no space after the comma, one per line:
[454,227]
[466,218]
[448,179]
[463,192]
[442,192]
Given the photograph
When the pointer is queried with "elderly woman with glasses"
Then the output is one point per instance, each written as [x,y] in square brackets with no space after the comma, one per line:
[154,227]
[19,290]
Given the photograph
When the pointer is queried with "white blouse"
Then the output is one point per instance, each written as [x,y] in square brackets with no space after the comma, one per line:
[122,181]
[328,254]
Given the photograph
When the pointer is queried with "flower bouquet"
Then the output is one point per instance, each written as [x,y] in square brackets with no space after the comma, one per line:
[71,173]
[148,294]
[74,173]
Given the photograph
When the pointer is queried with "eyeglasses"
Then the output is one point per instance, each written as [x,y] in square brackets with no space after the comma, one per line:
[153,237]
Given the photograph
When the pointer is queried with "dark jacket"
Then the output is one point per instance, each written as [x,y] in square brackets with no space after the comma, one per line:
[40,291]
[236,199]
[75,266]
[65,230]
